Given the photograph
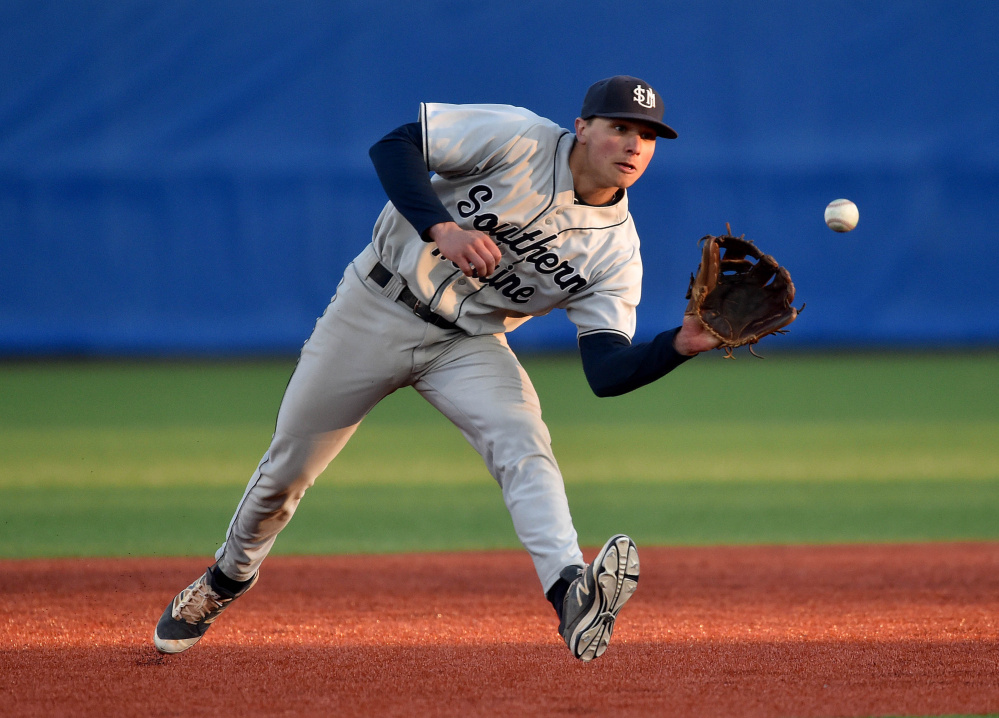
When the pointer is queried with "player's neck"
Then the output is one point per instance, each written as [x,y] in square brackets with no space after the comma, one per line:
[615,198]
[587,190]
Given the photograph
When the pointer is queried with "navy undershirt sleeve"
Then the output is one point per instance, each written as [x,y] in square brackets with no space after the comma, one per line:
[614,366]
[402,170]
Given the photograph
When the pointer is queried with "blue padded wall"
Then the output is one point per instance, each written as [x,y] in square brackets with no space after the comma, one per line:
[191,178]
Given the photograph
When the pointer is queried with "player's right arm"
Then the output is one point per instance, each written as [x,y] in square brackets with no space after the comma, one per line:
[402,170]
[475,253]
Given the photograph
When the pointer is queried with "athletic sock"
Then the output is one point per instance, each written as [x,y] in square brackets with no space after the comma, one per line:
[227,584]
[556,595]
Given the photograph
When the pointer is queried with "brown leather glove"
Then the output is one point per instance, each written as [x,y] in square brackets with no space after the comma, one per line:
[740,294]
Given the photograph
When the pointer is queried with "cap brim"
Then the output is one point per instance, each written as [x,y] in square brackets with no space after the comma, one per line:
[661,128]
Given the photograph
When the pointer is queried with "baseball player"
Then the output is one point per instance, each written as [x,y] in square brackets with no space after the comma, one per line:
[519,217]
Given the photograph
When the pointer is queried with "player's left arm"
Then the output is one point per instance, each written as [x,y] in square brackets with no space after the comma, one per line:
[614,366]
[605,316]
[692,338]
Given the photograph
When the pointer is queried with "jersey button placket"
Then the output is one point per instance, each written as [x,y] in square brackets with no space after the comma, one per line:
[553,217]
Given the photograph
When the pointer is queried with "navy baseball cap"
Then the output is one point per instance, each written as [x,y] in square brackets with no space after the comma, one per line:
[628,98]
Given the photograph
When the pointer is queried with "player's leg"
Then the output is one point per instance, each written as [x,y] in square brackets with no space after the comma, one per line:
[344,370]
[482,388]
[479,384]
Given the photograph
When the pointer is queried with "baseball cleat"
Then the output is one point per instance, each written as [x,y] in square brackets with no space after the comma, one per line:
[192,612]
[596,595]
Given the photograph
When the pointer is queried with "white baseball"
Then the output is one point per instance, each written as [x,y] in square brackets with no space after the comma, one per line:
[842,215]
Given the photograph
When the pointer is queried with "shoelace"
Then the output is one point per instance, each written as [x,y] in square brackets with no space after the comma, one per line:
[198,602]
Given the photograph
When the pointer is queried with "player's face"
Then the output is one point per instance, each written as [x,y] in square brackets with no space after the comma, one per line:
[615,152]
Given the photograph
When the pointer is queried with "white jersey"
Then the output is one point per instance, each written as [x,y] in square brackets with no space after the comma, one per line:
[504,171]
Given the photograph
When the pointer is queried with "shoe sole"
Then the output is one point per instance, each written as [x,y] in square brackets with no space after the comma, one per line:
[616,576]
[171,646]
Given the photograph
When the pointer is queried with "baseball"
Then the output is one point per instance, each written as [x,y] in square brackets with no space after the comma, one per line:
[842,215]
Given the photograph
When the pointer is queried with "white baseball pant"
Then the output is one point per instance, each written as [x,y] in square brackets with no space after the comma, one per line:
[364,347]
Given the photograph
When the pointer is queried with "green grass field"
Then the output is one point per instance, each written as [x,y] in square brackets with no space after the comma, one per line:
[150,458]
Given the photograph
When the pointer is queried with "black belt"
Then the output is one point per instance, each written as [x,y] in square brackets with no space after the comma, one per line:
[383,276]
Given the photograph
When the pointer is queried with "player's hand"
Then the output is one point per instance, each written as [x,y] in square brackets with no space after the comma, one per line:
[693,338]
[474,253]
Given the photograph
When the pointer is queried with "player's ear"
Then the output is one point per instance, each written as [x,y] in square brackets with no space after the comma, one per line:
[581,127]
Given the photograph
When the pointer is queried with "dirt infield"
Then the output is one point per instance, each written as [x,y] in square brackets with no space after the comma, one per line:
[756,631]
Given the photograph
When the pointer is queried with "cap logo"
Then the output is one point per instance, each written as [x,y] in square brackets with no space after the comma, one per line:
[644,96]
